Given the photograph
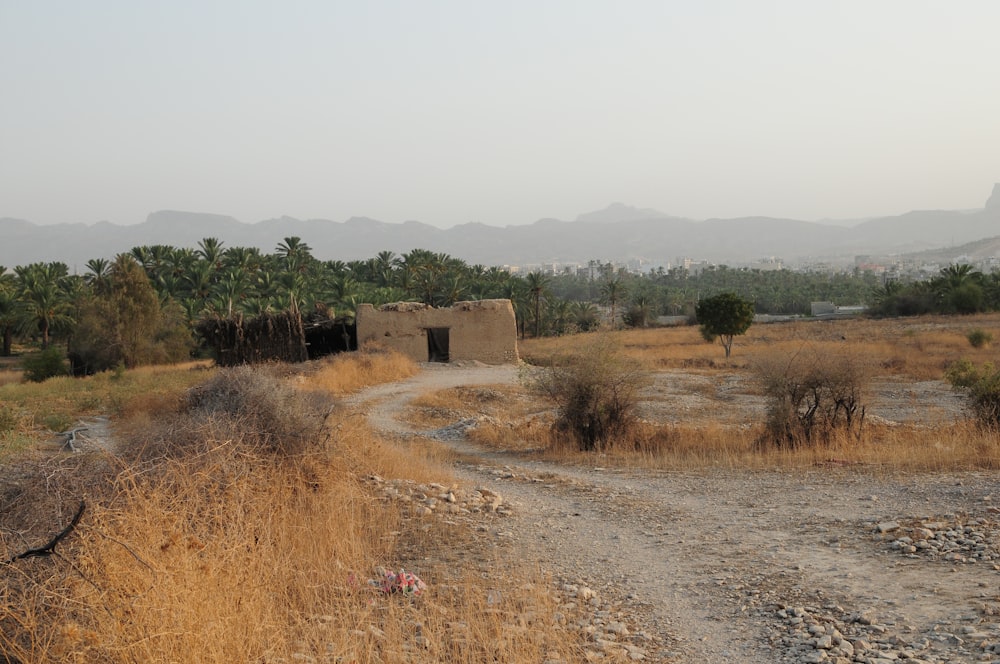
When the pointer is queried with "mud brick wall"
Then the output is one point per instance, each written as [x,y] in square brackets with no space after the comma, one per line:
[483,330]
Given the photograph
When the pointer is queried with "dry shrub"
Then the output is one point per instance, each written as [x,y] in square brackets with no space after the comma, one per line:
[982,389]
[813,395]
[979,338]
[250,410]
[596,391]
[349,372]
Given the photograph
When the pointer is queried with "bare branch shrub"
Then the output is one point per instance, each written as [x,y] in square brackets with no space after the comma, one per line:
[252,409]
[813,395]
[596,391]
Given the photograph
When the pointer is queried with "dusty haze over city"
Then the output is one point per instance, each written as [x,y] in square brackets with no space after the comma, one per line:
[453,112]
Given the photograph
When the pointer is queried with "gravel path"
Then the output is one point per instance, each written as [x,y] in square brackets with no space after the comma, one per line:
[830,564]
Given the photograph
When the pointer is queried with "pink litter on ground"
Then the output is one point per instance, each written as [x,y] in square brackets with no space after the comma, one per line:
[402,582]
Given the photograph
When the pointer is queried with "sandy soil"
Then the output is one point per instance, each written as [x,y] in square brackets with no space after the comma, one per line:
[706,562]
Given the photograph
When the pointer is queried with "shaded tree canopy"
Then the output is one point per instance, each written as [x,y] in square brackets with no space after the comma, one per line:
[724,316]
[125,323]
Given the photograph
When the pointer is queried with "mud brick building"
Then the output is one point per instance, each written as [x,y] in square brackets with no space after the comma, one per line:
[483,330]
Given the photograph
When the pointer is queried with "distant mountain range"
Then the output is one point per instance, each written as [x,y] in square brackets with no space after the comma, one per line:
[616,233]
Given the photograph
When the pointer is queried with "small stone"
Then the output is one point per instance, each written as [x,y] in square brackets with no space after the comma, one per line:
[866,617]
[618,628]
[824,642]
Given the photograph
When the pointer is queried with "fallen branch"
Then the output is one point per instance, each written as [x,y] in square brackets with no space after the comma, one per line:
[50,548]
[71,438]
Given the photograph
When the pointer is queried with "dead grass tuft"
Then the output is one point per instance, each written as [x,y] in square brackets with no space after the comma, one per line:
[442,407]
[349,372]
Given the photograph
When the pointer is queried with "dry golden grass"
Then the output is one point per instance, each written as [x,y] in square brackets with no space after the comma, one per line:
[10,370]
[440,407]
[224,552]
[918,347]
[349,372]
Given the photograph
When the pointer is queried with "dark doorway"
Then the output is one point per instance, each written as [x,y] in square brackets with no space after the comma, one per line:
[330,336]
[437,344]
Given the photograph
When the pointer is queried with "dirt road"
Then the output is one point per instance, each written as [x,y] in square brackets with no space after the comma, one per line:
[830,564]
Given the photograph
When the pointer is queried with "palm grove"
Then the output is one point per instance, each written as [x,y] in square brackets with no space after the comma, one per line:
[142,306]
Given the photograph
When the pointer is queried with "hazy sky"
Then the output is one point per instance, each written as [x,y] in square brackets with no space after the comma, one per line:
[500,112]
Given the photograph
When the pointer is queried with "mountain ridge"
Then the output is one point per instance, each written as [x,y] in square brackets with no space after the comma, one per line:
[618,232]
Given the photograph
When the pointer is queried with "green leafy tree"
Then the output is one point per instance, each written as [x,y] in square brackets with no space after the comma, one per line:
[724,316]
[46,363]
[127,325]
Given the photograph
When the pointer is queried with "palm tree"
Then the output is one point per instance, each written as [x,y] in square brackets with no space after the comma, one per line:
[612,292]
[210,249]
[10,311]
[292,286]
[340,289]
[585,315]
[384,267]
[453,289]
[295,253]
[229,290]
[265,288]
[44,297]
[242,259]
[957,275]
[538,285]
[959,288]
[639,313]
[200,277]
[98,275]
[560,313]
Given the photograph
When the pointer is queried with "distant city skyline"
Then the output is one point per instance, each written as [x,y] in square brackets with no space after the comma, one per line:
[448,112]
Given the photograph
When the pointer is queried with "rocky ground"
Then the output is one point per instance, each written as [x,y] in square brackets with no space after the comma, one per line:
[829,564]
